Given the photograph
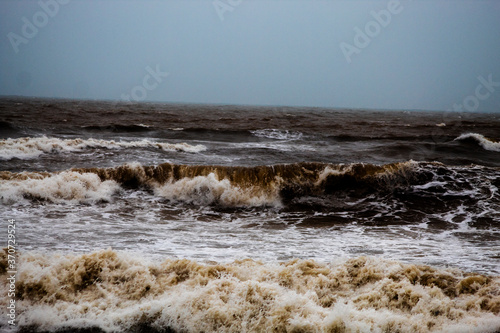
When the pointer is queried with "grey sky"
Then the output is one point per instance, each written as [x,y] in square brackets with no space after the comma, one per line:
[427,55]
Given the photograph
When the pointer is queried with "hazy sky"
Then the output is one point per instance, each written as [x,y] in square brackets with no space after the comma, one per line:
[421,54]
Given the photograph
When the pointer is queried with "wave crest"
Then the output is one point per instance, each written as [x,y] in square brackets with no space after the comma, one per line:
[487,144]
[209,190]
[29,148]
[67,186]
[242,186]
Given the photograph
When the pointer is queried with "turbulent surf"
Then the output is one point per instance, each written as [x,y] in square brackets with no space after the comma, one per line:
[119,292]
[207,218]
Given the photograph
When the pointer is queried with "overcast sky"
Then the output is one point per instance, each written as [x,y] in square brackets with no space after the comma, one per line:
[421,54]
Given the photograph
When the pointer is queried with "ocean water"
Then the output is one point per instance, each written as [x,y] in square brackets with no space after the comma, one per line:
[205,218]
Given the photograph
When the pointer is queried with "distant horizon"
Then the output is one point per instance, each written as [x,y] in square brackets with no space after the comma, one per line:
[338,108]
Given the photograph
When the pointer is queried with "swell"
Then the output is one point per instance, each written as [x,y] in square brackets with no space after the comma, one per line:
[113,291]
[8,130]
[6,126]
[29,147]
[120,128]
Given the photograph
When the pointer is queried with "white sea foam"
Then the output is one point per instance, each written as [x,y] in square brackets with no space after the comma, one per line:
[207,190]
[277,134]
[483,142]
[66,186]
[118,291]
[29,148]
[392,173]
[281,146]
[330,171]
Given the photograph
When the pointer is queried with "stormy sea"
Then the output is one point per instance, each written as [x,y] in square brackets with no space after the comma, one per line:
[143,217]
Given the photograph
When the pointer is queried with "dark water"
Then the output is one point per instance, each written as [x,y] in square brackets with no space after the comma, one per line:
[295,190]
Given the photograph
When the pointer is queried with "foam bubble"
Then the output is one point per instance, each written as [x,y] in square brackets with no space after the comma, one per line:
[29,148]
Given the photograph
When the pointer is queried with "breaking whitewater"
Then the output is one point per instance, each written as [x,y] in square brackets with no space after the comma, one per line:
[205,218]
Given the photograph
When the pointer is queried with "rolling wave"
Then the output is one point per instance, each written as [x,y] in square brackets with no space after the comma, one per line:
[208,185]
[67,186]
[113,291]
[484,142]
[29,148]
[295,186]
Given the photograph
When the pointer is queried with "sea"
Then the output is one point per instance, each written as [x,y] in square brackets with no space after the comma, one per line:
[170,217]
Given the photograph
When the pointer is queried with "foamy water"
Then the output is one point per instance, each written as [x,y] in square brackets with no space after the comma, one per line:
[28,148]
[117,292]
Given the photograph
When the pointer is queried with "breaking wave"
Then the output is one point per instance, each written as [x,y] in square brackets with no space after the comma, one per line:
[67,186]
[316,186]
[212,185]
[29,148]
[210,190]
[114,291]
[481,140]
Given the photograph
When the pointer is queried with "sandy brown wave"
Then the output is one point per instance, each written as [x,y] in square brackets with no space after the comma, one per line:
[221,185]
